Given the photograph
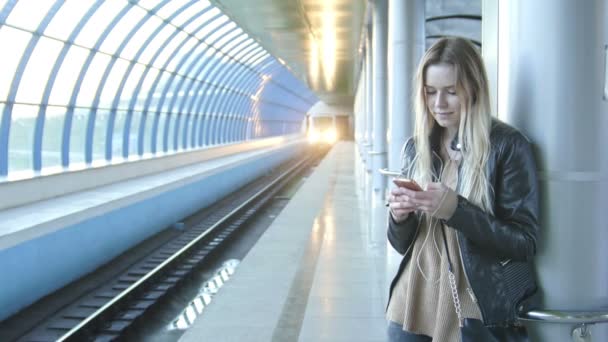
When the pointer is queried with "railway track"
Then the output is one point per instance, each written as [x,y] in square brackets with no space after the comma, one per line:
[114,310]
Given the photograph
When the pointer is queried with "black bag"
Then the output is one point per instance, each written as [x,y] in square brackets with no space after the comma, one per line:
[473,330]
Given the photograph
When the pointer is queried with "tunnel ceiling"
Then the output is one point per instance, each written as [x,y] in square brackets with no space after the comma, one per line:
[307,33]
[289,29]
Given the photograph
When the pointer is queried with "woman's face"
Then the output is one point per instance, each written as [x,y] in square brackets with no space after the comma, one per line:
[441,98]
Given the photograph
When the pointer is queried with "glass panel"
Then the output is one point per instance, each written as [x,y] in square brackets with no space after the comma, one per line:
[257,61]
[158,92]
[127,92]
[248,52]
[171,93]
[121,30]
[148,4]
[111,86]
[200,19]
[117,134]
[169,48]
[185,15]
[179,125]
[67,18]
[140,37]
[180,54]
[193,57]
[162,121]
[191,89]
[21,137]
[17,40]
[37,70]
[28,14]
[188,132]
[155,44]
[202,76]
[219,33]
[52,136]
[89,86]
[145,89]
[67,75]
[78,135]
[212,25]
[172,119]
[170,8]
[99,134]
[99,22]
[134,133]
[213,72]
[148,133]
[231,47]
[257,56]
[227,38]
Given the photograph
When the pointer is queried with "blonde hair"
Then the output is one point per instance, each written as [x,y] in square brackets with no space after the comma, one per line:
[475,119]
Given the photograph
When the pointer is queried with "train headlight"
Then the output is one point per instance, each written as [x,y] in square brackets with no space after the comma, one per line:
[314,136]
[330,136]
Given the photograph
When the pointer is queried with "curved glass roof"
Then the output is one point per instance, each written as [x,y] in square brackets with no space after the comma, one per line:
[90,82]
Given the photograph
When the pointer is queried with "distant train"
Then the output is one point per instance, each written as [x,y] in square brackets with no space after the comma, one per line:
[327,124]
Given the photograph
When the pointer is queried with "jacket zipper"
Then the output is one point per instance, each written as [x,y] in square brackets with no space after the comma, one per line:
[471,294]
[466,275]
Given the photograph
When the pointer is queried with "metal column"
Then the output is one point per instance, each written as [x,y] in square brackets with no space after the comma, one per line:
[552,74]
[405,48]
[379,113]
[369,123]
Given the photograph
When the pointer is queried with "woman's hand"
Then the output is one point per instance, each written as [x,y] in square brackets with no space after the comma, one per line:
[400,204]
[437,200]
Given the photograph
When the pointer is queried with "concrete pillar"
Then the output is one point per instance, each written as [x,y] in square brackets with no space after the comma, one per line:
[379,113]
[369,123]
[552,79]
[406,45]
[360,109]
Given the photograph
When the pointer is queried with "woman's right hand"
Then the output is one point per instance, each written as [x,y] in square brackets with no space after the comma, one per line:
[400,204]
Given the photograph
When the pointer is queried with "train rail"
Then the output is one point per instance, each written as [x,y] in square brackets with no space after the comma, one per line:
[114,310]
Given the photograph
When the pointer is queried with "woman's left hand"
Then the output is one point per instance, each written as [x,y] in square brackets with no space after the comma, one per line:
[438,200]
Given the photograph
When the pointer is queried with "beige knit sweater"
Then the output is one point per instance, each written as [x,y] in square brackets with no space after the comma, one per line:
[421,300]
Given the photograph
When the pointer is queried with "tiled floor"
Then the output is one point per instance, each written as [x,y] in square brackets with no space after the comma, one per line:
[319,273]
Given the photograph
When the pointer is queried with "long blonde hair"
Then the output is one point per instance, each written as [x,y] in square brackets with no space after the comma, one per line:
[475,119]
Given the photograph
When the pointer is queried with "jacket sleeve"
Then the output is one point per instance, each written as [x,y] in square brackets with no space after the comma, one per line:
[512,231]
[402,234]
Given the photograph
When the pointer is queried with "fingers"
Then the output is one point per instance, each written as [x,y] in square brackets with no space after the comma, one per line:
[399,191]
[400,214]
[430,200]
[403,206]
[435,186]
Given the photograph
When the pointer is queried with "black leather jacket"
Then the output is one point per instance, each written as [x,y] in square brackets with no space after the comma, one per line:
[497,250]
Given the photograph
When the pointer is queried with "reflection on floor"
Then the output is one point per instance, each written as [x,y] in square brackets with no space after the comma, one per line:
[319,273]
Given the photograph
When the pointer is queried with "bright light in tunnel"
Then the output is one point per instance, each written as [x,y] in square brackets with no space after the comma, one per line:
[329,45]
[313,67]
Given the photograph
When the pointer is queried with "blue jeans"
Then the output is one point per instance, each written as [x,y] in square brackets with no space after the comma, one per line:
[395,333]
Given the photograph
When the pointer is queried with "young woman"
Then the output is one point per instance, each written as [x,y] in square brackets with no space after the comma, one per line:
[478,210]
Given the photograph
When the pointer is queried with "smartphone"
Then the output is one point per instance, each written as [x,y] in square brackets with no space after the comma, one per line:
[407,183]
[390,173]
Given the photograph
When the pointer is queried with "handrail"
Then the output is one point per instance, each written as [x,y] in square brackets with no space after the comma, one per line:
[454,16]
[565,317]
[433,36]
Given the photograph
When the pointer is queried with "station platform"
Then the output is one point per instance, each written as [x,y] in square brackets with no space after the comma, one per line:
[320,272]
